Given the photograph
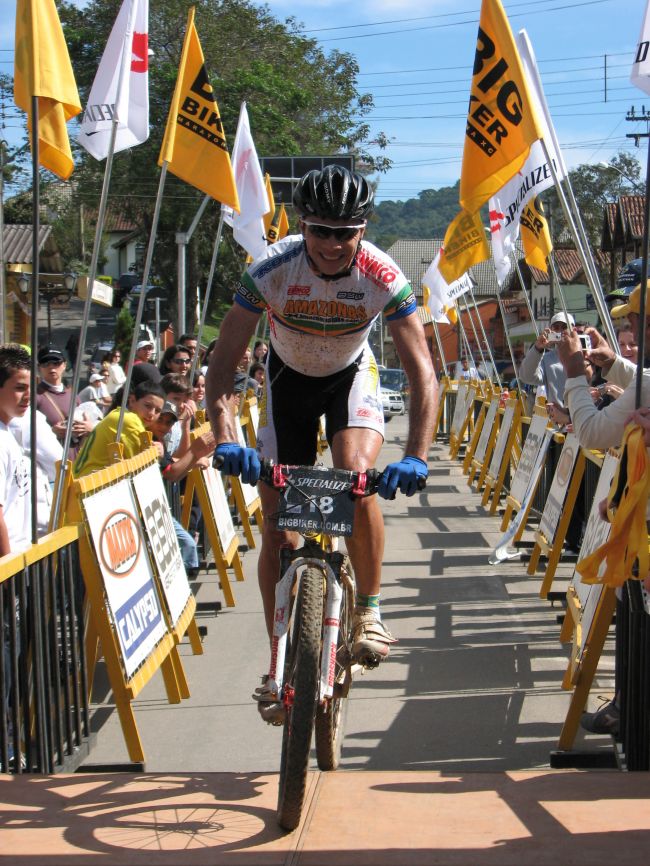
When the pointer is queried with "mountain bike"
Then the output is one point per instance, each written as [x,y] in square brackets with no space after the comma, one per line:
[311,649]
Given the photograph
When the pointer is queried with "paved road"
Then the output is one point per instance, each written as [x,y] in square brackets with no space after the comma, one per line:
[473,684]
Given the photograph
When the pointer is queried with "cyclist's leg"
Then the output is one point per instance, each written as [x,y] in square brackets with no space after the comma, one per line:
[357,449]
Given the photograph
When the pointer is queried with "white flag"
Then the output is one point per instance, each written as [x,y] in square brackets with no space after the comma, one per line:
[535,175]
[248,224]
[441,293]
[121,85]
[508,204]
[640,76]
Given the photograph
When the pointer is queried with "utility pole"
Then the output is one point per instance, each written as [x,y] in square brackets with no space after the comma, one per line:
[637,136]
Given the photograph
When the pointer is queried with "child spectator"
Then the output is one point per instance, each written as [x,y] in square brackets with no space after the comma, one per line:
[144,406]
[15,503]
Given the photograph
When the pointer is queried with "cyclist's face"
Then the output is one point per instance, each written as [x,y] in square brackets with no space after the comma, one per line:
[330,255]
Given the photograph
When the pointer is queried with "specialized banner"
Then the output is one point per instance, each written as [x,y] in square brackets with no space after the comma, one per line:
[439,295]
[157,518]
[501,122]
[124,71]
[131,595]
[464,245]
[509,203]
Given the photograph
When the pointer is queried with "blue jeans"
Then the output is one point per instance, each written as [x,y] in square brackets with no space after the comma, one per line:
[187,546]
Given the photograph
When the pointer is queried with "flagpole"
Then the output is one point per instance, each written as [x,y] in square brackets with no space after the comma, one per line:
[92,274]
[586,260]
[441,351]
[644,284]
[525,293]
[182,240]
[485,339]
[143,293]
[36,249]
[208,289]
[475,332]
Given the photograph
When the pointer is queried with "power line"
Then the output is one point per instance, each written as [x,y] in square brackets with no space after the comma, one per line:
[473,20]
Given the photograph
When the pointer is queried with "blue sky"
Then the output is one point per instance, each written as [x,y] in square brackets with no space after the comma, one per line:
[415,58]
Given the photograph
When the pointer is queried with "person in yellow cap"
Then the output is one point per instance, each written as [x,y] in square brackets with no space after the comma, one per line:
[604,428]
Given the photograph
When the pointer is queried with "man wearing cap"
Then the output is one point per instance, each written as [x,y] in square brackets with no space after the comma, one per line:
[542,366]
[54,399]
[604,428]
[96,391]
[143,352]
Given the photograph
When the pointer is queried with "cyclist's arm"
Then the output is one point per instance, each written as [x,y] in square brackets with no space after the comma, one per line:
[234,335]
[408,337]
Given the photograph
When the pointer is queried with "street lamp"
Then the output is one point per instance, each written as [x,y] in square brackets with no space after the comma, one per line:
[637,187]
[24,282]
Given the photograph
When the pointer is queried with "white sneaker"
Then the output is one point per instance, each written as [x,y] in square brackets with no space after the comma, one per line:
[371,639]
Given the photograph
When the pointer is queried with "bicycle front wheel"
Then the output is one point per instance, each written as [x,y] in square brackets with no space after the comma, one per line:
[301,676]
[330,715]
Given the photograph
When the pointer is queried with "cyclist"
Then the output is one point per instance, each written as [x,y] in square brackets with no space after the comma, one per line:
[323,289]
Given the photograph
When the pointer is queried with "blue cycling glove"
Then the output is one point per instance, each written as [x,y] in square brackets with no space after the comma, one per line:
[235,460]
[406,475]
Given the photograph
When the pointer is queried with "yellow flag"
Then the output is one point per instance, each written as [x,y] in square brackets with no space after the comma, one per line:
[535,235]
[268,217]
[194,145]
[43,69]
[464,245]
[283,223]
[501,120]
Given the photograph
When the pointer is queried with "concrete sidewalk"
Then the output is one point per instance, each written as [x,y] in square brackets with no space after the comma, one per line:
[473,684]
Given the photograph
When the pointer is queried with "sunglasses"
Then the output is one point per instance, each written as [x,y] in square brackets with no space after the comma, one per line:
[339,233]
[181,361]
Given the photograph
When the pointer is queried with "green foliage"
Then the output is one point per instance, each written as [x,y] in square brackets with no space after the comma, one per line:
[300,100]
[124,331]
[594,187]
[426,216]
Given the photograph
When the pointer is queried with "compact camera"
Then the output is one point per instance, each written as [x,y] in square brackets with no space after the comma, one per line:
[554,336]
[585,342]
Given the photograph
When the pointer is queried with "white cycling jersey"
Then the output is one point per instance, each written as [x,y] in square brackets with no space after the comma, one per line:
[319,326]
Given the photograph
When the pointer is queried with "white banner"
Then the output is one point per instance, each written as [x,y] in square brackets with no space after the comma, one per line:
[220,507]
[554,504]
[640,76]
[441,293]
[502,551]
[132,598]
[156,513]
[248,224]
[123,72]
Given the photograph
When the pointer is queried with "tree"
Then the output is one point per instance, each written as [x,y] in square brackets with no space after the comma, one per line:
[301,100]
[594,187]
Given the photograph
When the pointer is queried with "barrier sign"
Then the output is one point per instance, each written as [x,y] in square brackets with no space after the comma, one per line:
[219,505]
[486,430]
[131,593]
[157,517]
[559,487]
[502,439]
[535,437]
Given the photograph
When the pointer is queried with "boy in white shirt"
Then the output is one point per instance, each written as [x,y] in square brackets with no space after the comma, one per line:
[15,505]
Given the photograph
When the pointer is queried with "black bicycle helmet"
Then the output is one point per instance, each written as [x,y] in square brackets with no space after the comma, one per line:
[334,194]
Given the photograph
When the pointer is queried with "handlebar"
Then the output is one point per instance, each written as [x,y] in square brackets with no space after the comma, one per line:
[361,483]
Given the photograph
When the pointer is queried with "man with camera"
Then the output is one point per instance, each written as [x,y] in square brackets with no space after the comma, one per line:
[541,365]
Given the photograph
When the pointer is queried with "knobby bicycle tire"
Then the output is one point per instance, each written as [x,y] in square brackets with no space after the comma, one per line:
[302,669]
[330,716]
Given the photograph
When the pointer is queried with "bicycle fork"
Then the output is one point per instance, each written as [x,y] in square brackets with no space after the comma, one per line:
[291,561]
